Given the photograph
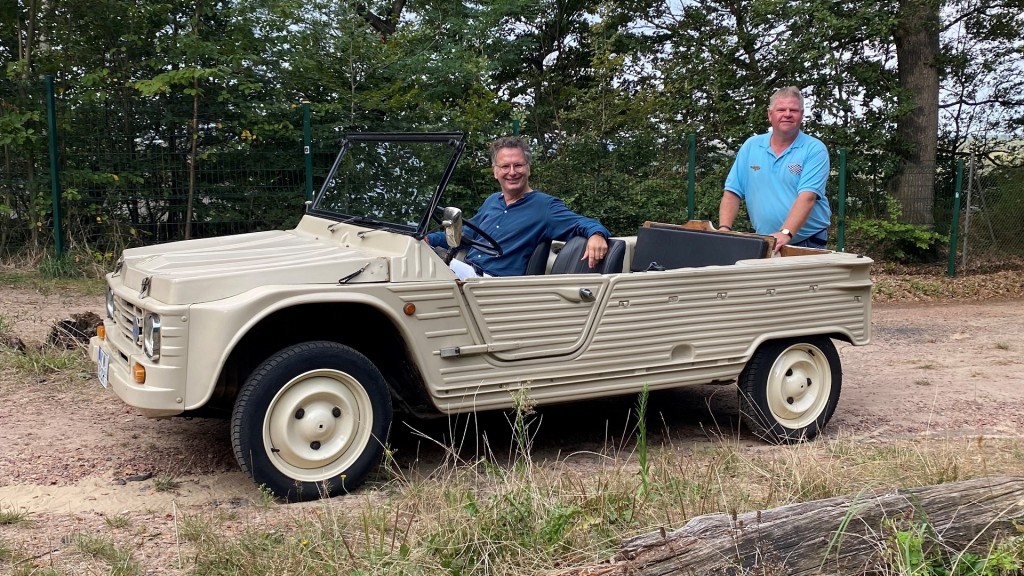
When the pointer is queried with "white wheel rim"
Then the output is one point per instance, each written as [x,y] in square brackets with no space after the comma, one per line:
[317,425]
[799,386]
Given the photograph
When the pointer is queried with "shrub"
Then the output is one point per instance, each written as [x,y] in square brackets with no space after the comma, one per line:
[894,241]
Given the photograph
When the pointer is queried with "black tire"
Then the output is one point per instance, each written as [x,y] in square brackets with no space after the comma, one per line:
[311,421]
[790,388]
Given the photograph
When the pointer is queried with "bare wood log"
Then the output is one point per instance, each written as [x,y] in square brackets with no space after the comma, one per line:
[832,536]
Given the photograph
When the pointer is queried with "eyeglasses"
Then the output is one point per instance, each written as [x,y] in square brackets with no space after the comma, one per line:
[504,168]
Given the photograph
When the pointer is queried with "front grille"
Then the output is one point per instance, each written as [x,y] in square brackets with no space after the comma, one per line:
[129,321]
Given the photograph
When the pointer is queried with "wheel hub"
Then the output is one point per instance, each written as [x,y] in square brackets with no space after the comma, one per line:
[799,386]
[314,428]
[317,422]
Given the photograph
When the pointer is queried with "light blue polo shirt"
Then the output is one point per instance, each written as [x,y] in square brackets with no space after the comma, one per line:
[769,184]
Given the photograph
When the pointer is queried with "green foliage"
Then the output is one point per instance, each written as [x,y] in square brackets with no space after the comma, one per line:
[916,550]
[893,241]
[181,111]
[66,266]
[18,128]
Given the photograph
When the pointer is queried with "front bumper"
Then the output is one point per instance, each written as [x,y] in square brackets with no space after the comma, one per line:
[163,393]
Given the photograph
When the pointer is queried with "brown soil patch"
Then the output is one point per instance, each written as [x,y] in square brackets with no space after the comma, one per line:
[73,456]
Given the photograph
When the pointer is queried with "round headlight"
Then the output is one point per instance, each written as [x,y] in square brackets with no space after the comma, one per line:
[151,336]
[110,303]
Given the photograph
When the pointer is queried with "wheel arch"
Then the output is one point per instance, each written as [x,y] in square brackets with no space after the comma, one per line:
[383,344]
[765,339]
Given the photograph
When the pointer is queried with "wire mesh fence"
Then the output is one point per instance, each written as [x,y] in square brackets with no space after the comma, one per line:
[132,171]
[993,214]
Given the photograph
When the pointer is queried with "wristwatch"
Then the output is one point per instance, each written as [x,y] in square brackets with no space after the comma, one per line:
[787,232]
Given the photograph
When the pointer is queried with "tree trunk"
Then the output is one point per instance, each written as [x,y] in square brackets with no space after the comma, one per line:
[831,536]
[917,51]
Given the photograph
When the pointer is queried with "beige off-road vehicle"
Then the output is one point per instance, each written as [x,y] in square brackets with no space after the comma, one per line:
[310,339]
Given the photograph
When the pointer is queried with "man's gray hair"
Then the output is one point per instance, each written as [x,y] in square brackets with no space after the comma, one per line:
[787,92]
[510,142]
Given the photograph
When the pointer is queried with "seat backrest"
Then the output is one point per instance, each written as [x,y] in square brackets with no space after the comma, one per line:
[660,248]
[538,263]
[569,259]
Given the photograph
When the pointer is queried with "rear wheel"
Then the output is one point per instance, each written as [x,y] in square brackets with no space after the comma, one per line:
[311,421]
[790,388]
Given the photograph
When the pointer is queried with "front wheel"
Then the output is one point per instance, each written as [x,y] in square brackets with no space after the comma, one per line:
[790,388]
[311,421]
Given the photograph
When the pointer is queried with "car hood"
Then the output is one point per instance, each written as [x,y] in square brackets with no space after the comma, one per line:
[209,269]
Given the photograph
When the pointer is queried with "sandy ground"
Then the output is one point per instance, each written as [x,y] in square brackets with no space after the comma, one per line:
[73,456]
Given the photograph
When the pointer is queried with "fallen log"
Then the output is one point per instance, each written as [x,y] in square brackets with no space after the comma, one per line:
[843,535]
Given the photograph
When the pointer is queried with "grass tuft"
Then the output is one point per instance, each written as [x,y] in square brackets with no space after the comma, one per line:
[10,516]
[117,521]
[119,560]
[48,360]
[166,483]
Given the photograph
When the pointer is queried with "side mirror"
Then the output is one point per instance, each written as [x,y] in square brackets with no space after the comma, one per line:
[451,221]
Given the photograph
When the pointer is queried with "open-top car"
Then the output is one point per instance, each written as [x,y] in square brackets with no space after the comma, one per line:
[310,339]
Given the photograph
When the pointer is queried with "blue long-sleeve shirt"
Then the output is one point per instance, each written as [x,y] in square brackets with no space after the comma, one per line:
[518,228]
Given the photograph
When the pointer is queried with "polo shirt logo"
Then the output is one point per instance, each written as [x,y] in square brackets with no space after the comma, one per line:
[755,167]
[795,168]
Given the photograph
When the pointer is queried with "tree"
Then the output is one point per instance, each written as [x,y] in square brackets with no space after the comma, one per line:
[916,36]
[982,93]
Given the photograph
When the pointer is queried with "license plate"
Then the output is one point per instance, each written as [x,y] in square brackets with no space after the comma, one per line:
[102,365]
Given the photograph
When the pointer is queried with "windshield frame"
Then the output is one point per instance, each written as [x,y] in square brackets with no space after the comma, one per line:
[457,142]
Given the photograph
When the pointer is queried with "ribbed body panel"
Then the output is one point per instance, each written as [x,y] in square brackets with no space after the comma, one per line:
[660,329]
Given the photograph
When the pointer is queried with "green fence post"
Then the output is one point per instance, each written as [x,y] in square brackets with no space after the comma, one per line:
[691,175]
[841,234]
[51,121]
[307,148]
[955,227]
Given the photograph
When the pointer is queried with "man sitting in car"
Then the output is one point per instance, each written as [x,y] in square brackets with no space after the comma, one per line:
[519,218]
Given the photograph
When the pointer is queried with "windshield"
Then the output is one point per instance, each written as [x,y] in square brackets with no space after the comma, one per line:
[390,181]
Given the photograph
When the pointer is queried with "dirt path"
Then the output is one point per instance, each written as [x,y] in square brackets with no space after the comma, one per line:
[72,454]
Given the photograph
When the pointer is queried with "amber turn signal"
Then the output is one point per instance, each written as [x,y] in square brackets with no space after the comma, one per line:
[101,332]
[409,309]
[139,373]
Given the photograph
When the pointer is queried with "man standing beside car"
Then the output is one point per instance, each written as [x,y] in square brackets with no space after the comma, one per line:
[519,218]
[781,176]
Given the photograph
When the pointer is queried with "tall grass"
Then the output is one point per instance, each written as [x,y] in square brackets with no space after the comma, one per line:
[505,512]
[510,517]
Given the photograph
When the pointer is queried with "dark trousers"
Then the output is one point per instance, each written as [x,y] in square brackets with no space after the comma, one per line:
[816,241]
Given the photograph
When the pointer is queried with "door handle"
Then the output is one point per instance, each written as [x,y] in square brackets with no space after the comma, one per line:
[576,295]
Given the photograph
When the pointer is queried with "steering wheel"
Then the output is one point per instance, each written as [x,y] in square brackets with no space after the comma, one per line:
[484,243]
